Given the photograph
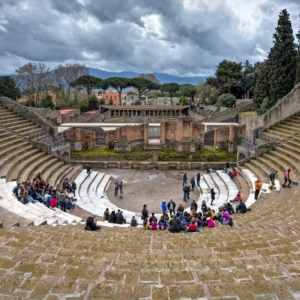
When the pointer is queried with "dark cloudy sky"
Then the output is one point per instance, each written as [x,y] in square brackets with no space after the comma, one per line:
[180,37]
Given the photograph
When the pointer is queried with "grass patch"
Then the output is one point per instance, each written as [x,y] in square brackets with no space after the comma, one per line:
[248,113]
[101,153]
[138,154]
[113,119]
[206,155]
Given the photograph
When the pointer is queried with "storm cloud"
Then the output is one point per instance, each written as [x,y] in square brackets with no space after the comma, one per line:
[180,37]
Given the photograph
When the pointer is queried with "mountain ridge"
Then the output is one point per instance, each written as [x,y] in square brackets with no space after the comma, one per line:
[162,77]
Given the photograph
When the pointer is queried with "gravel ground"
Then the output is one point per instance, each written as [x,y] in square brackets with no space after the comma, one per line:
[149,187]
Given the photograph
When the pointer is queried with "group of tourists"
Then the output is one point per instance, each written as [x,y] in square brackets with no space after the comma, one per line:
[39,190]
[181,220]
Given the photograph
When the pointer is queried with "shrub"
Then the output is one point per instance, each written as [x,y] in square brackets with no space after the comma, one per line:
[226,100]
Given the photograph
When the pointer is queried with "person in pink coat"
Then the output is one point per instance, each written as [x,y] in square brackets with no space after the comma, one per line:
[210,222]
[153,225]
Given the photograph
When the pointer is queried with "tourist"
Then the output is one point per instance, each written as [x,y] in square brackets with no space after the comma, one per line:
[185,192]
[241,208]
[70,203]
[146,225]
[145,212]
[287,178]
[74,187]
[257,187]
[210,222]
[229,222]
[62,200]
[152,217]
[91,224]
[204,207]
[272,176]
[112,217]
[226,166]
[225,216]
[106,214]
[212,213]
[171,207]
[116,188]
[232,173]
[180,209]
[207,169]
[198,179]
[66,184]
[88,170]
[42,186]
[119,218]
[184,179]
[192,226]
[192,182]
[133,222]
[174,225]
[164,206]
[121,189]
[230,208]
[16,189]
[36,196]
[53,202]
[212,195]
[153,224]
[162,224]
[194,205]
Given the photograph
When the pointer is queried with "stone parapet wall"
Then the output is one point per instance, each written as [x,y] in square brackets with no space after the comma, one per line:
[27,113]
[152,165]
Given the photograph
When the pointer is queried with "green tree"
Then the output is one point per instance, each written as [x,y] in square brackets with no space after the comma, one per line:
[229,73]
[188,90]
[248,79]
[87,81]
[282,59]
[93,102]
[298,58]
[8,88]
[143,86]
[261,90]
[170,88]
[207,94]
[117,83]
[265,106]
[226,100]
[47,102]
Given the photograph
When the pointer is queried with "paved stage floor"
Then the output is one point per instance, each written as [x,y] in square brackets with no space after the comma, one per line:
[149,187]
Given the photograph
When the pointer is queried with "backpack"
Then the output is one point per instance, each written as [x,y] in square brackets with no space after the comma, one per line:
[15,189]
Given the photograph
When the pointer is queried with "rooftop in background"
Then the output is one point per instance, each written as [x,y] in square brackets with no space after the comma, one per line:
[67,111]
[91,112]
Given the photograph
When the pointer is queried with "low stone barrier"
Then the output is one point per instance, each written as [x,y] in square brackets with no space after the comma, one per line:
[152,165]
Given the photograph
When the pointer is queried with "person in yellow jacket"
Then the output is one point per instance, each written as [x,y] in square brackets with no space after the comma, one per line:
[257,186]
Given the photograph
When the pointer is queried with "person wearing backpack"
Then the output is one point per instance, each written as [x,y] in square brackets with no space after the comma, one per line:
[16,189]
[272,176]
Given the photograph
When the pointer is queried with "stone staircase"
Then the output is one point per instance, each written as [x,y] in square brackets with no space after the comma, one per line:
[286,153]
[19,160]
[258,258]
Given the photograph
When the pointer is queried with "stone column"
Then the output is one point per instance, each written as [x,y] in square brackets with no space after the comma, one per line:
[146,133]
[162,133]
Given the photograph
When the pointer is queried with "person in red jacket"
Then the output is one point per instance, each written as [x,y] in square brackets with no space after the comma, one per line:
[53,202]
[287,178]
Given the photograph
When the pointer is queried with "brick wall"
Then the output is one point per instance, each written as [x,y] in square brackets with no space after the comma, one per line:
[80,138]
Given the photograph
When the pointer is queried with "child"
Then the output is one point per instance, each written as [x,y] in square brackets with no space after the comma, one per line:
[162,224]
[146,225]
[210,221]
[192,227]
[154,224]
[229,222]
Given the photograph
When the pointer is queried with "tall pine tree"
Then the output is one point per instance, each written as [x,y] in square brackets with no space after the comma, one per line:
[261,90]
[282,59]
[298,57]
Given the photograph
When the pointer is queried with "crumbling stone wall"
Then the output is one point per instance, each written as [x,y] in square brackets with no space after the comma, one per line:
[82,118]
[229,137]
[183,135]
[127,138]
[80,139]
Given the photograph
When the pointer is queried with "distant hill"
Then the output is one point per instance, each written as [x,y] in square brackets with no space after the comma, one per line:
[162,77]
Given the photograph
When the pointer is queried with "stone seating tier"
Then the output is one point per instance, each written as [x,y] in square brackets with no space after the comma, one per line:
[256,259]
[92,197]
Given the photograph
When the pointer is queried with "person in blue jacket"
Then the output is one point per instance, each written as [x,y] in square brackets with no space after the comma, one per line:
[164,206]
